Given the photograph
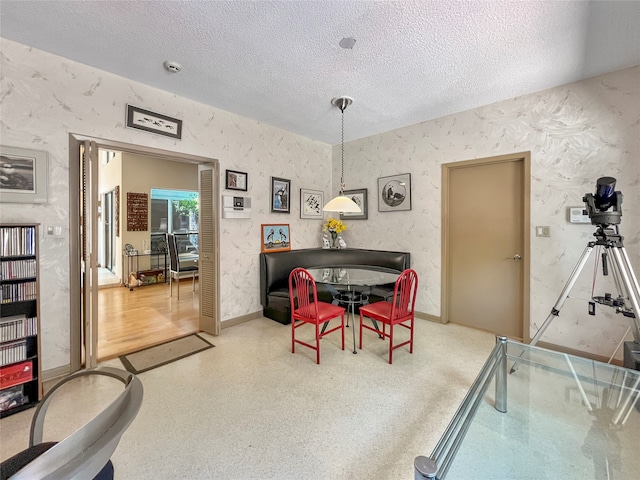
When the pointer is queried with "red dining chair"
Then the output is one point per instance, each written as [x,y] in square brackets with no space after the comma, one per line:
[302,290]
[399,312]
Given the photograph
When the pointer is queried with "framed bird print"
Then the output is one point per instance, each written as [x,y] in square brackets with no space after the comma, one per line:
[311,203]
[394,193]
[275,237]
[280,195]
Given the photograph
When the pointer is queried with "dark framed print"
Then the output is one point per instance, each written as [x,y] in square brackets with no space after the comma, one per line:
[153,122]
[280,195]
[311,203]
[235,180]
[361,199]
[23,175]
[275,237]
[394,193]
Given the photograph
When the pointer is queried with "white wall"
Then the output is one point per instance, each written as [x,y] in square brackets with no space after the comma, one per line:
[576,133]
[46,97]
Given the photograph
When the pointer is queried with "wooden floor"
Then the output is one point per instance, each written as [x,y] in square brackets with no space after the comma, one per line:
[132,320]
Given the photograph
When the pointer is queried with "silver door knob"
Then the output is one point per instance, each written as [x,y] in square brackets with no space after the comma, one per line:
[517,257]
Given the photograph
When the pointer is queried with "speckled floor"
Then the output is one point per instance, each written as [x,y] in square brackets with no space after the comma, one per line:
[250,409]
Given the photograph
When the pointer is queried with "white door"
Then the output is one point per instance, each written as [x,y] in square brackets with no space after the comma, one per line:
[89,244]
[208,248]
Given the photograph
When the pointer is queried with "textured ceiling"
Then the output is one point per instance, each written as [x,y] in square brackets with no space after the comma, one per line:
[279,61]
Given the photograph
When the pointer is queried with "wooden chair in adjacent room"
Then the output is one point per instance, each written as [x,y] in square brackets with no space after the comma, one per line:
[306,309]
[174,266]
[398,312]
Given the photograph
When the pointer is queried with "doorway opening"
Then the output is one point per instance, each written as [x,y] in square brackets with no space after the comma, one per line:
[86,254]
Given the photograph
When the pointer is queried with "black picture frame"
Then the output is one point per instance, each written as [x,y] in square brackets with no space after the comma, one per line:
[280,195]
[236,180]
[394,193]
[361,198]
[152,122]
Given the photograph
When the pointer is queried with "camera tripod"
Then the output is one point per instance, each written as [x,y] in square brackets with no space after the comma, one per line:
[625,280]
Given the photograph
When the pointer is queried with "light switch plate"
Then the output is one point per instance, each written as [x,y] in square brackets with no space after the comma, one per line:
[543,231]
[53,231]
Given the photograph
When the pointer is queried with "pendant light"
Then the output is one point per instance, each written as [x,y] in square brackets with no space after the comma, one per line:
[342,203]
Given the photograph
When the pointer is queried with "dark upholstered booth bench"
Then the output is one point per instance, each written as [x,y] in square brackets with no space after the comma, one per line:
[276,267]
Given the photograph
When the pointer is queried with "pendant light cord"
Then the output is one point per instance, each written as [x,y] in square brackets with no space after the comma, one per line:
[342,108]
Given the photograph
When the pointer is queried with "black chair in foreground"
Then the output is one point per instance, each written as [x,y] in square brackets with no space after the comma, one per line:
[86,453]
[174,266]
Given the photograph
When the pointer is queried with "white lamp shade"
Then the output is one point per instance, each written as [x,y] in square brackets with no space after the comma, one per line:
[342,204]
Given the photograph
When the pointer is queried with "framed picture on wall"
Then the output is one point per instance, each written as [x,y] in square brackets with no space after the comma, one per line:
[235,180]
[153,122]
[360,198]
[275,237]
[394,193]
[23,175]
[280,195]
[311,203]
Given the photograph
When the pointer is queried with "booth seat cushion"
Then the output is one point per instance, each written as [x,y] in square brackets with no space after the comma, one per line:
[275,268]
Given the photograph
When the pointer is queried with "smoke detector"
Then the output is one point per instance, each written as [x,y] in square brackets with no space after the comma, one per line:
[173,67]
[347,43]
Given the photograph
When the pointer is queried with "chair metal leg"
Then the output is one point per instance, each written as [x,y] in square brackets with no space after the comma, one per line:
[317,343]
[391,344]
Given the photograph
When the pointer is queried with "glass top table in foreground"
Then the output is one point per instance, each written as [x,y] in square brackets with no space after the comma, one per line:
[549,416]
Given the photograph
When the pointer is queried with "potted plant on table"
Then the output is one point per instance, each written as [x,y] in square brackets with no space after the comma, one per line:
[335,227]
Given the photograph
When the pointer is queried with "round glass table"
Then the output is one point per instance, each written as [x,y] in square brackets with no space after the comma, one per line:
[350,277]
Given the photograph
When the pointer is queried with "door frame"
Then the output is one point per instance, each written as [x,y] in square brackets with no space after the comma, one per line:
[524,157]
[75,270]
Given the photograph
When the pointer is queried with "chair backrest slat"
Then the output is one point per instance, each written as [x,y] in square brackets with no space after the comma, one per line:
[404,294]
[302,289]
[173,253]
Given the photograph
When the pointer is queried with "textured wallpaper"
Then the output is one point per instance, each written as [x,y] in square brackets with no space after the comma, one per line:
[45,97]
[576,133]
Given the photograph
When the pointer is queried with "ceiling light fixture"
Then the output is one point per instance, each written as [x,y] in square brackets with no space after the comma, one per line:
[342,203]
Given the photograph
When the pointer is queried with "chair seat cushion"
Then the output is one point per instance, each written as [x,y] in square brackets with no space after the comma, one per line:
[14,464]
[326,311]
[377,310]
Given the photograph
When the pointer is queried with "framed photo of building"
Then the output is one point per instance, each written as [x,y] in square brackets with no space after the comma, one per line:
[361,199]
[311,203]
[23,175]
[394,193]
[235,180]
[275,237]
[280,195]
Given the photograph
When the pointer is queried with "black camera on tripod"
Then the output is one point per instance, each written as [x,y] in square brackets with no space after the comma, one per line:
[605,206]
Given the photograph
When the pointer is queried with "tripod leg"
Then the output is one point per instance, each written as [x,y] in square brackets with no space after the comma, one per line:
[555,311]
[631,285]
